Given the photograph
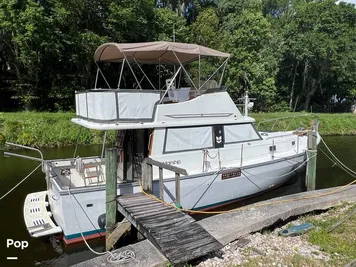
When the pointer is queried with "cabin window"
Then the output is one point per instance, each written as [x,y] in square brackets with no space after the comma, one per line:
[188,138]
[240,133]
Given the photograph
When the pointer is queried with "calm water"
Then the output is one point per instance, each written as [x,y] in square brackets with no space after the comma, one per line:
[49,252]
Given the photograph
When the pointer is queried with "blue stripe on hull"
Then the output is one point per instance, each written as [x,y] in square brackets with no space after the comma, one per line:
[99,231]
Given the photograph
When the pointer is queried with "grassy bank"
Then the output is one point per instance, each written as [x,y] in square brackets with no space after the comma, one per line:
[329,124]
[46,129]
[338,246]
[56,129]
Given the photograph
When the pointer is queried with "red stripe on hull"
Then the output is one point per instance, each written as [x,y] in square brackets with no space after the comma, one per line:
[80,239]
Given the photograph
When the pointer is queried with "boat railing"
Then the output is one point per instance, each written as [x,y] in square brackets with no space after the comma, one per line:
[129,105]
[112,105]
[287,123]
[8,154]
[147,177]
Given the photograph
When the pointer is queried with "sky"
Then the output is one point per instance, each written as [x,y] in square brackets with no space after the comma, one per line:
[349,1]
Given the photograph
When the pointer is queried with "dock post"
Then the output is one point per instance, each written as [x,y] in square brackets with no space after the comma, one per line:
[161,186]
[147,176]
[311,154]
[177,176]
[111,192]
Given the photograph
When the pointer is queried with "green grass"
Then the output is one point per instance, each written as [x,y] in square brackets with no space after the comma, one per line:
[340,243]
[46,129]
[55,129]
[329,124]
[295,261]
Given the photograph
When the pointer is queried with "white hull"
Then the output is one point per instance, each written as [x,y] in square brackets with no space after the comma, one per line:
[197,192]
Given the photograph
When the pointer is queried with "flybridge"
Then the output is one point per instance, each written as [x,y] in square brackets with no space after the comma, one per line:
[125,108]
[140,109]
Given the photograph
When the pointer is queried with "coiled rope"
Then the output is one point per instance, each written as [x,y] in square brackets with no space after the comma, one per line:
[113,257]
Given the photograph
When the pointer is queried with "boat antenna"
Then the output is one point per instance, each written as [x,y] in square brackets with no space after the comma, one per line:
[174,40]
[246,105]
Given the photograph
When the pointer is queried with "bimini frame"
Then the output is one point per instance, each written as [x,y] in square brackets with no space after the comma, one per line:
[165,53]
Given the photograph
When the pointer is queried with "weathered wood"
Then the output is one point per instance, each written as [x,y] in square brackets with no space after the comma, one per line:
[150,211]
[163,223]
[188,243]
[183,256]
[182,233]
[177,189]
[132,197]
[311,165]
[348,215]
[151,215]
[117,233]
[166,166]
[111,192]
[175,233]
[147,176]
[138,207]
[161,185]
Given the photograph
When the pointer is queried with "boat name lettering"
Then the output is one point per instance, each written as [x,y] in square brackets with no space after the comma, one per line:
[172,162]
[230,174]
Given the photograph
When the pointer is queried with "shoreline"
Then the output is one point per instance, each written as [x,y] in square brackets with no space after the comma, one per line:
[45,129]
[313,248]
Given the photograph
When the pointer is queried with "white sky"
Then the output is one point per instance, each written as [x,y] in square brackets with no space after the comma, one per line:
[349,1]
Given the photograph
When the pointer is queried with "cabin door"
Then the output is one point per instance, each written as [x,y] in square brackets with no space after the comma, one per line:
[135,149]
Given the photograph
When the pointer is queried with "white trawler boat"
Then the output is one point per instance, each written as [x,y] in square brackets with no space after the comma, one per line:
[196,127]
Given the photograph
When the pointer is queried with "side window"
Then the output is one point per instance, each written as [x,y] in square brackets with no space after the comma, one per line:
[188,138]
[218,136]
[240,133]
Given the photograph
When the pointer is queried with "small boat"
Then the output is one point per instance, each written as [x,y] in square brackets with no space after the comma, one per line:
[186,122]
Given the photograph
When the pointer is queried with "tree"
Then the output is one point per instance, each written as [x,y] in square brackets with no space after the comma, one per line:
[317,60]
[253,65]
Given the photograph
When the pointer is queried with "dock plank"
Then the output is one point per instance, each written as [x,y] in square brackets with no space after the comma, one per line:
[174,233]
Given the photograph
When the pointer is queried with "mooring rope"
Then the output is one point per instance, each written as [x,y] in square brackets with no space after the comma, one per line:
[12,189]
[113,257]
[317,195]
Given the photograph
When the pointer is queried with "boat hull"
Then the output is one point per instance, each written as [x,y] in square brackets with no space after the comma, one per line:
[212,190]
[77,211]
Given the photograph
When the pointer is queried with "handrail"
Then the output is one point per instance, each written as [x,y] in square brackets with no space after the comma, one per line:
[24,156]
[147,177]
[275,120]
[165,166]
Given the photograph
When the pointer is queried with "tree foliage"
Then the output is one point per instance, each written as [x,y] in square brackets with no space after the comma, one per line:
[288,53]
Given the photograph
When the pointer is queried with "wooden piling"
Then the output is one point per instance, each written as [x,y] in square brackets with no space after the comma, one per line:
[111,192]
[177,176]
[311,165]
[161,186]
[147,176]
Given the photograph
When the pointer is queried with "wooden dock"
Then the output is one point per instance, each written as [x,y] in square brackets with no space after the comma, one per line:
[177,235]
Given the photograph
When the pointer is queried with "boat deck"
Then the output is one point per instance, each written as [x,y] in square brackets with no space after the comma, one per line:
[177,235]
[93,173]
